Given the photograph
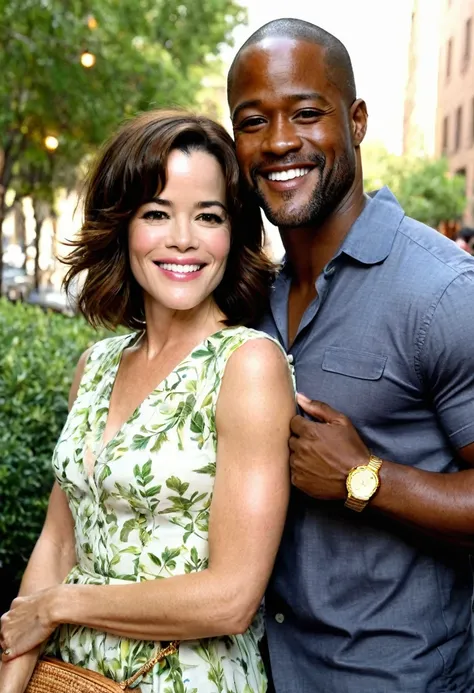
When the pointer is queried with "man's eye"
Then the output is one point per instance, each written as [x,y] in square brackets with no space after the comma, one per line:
[155,215]
[211,218]
[252,122]
[308,113]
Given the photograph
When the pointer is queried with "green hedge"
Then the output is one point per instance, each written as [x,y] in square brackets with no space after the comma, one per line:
[38,355]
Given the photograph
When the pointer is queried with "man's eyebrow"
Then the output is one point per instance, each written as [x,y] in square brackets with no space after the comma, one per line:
[310,96]
[256,103]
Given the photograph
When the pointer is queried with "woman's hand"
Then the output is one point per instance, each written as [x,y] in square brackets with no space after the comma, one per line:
[27,624]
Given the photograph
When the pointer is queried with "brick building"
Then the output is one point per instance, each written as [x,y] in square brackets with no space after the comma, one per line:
[421,91]
[455,111]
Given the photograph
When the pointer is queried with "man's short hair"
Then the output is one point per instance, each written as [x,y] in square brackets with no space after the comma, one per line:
[338,63]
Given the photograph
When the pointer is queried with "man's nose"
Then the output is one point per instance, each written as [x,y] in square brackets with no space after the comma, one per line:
[281,137]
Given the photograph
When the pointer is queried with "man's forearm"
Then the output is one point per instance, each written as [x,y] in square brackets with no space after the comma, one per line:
[438,503]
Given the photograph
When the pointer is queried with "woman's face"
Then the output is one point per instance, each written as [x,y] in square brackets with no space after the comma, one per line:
[179,241]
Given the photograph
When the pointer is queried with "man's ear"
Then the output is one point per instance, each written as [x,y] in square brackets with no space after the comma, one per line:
[359,116]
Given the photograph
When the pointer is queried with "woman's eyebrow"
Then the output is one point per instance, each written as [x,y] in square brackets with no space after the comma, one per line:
[211,203]
[159,201]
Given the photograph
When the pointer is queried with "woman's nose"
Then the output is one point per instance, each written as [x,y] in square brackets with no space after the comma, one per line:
[182,236]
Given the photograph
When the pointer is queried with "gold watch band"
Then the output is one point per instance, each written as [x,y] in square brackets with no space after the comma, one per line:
[375,463]
[357,504]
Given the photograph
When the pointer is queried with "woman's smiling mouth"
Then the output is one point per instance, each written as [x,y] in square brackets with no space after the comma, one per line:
[180,271]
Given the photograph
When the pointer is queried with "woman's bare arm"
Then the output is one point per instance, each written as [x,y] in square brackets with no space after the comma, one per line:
[51,560]
[247,514]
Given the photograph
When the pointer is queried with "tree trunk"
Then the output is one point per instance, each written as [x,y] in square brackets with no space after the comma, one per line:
[20,228]
[2,219]
[54,240]
[8,156]
[40,212]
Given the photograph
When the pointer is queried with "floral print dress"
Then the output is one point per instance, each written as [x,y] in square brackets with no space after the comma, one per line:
[141,504]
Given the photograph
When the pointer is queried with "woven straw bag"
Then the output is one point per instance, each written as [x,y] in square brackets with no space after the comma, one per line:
[54,676]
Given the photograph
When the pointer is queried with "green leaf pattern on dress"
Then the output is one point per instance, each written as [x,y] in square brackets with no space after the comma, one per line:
[141,511]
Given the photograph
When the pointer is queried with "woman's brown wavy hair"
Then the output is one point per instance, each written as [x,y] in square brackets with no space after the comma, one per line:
[130,170]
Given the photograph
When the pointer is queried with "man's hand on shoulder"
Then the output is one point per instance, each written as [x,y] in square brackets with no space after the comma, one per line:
[323,451]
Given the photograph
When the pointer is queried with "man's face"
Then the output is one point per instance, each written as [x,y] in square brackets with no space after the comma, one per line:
[292,131]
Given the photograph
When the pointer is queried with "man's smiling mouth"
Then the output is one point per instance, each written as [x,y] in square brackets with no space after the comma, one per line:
[287,175]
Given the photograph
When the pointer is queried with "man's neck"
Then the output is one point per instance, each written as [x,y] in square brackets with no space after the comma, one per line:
[310,248]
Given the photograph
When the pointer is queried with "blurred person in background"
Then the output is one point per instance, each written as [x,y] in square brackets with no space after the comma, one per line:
[465,239]
[172,470]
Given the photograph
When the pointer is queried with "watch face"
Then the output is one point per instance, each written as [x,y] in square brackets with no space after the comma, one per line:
[363,483]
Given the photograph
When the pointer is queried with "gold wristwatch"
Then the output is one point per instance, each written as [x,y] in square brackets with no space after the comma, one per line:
[361,483]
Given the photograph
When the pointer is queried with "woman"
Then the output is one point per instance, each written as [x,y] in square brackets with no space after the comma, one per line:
[173,462]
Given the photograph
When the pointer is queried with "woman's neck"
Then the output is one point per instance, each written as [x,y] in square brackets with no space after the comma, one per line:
[166,327]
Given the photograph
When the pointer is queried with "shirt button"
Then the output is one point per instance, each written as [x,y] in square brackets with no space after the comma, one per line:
[330,269]
[279,618]
[290,358]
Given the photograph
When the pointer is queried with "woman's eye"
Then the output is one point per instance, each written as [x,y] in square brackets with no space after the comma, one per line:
[211,218]
[155,215]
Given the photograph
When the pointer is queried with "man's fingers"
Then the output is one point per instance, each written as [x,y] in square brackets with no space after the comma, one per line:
[299,425]
[293,443]
[319,410]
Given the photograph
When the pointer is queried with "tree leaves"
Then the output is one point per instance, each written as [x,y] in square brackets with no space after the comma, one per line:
[424,187]
[149,53]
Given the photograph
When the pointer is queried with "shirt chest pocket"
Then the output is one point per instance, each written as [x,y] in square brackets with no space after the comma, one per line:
[353,363]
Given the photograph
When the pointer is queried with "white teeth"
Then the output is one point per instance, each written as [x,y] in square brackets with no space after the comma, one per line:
[182,269]
[288,175]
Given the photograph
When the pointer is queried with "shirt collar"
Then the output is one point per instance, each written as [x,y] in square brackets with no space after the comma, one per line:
[371,237]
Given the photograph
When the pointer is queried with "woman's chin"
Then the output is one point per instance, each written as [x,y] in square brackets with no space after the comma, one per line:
[174,303]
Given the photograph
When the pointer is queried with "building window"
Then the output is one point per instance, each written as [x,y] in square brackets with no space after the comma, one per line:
[462,173]
[445,135]
[467,42]
[449,57]
[458,133]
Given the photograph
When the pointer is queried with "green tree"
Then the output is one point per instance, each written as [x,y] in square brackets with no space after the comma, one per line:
[431,194]
[149,53]
[424,187]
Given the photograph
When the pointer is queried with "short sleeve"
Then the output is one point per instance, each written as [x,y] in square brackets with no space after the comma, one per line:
[446,359]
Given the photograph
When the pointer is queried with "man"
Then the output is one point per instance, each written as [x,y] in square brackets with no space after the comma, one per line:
[372,589]
[464,239]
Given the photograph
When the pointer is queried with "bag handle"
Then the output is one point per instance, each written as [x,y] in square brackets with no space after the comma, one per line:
[172,648]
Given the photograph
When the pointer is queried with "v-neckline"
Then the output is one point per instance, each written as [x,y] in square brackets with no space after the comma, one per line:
[108,390]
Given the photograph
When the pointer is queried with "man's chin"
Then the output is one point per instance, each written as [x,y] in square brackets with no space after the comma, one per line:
[286,218]
[289,213]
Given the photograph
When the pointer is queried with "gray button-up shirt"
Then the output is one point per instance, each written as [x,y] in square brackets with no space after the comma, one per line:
[361,603]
